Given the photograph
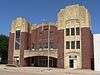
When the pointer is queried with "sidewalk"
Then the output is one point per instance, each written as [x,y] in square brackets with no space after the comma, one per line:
[43,71]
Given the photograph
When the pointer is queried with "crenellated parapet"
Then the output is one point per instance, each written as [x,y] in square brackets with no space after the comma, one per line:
[73,12]
[19,24]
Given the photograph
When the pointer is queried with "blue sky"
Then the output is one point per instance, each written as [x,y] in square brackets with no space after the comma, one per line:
[37,10]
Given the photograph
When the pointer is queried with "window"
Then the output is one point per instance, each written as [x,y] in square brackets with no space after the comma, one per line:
[51,32]
[75,56]
[45,29]
[51,44]
[77,44]
[67,45]
[33,46]
[72,31]
[17,46]
[17,41]
[77,31]
[46,45]
[69,56]
[72,44]
[41,32]
[18,34]
[40,45]
[67,31]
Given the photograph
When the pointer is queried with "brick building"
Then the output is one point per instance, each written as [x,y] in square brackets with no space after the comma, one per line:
[68,43]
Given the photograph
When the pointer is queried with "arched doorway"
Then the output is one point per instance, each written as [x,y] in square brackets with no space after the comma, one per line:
[41,61]
[73,61]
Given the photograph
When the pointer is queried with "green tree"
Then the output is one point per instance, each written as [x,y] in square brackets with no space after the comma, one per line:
[3,48]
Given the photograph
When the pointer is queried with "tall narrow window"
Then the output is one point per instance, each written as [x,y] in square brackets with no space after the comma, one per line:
[77,31]
[17,40]
[33,46]
[72,44]
[77,44]
[18,34]
[17,46]
[45,45]
[67,32]
[67,45]
[51,44]
[72,31]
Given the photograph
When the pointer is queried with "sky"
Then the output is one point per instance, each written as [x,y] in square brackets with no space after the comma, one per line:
[37,10]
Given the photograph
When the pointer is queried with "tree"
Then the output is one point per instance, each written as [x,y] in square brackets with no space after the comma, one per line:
[3,48]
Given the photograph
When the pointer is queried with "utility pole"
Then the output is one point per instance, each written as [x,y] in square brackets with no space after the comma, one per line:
[48,44]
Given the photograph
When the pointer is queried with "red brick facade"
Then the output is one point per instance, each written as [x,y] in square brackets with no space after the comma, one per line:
[39,36]
[36,37]
[60,62]
[11,48]
[87,48]
[24,46]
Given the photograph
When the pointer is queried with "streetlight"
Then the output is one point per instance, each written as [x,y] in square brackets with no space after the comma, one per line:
[48,43]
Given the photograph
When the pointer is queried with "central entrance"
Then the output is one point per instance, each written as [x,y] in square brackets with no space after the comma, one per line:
[73,63]
[41,61]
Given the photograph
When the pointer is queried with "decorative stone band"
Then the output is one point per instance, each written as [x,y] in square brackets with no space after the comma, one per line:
[31,53]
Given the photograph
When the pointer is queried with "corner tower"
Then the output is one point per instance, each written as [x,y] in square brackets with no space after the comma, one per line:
[18,41]
[78,39]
